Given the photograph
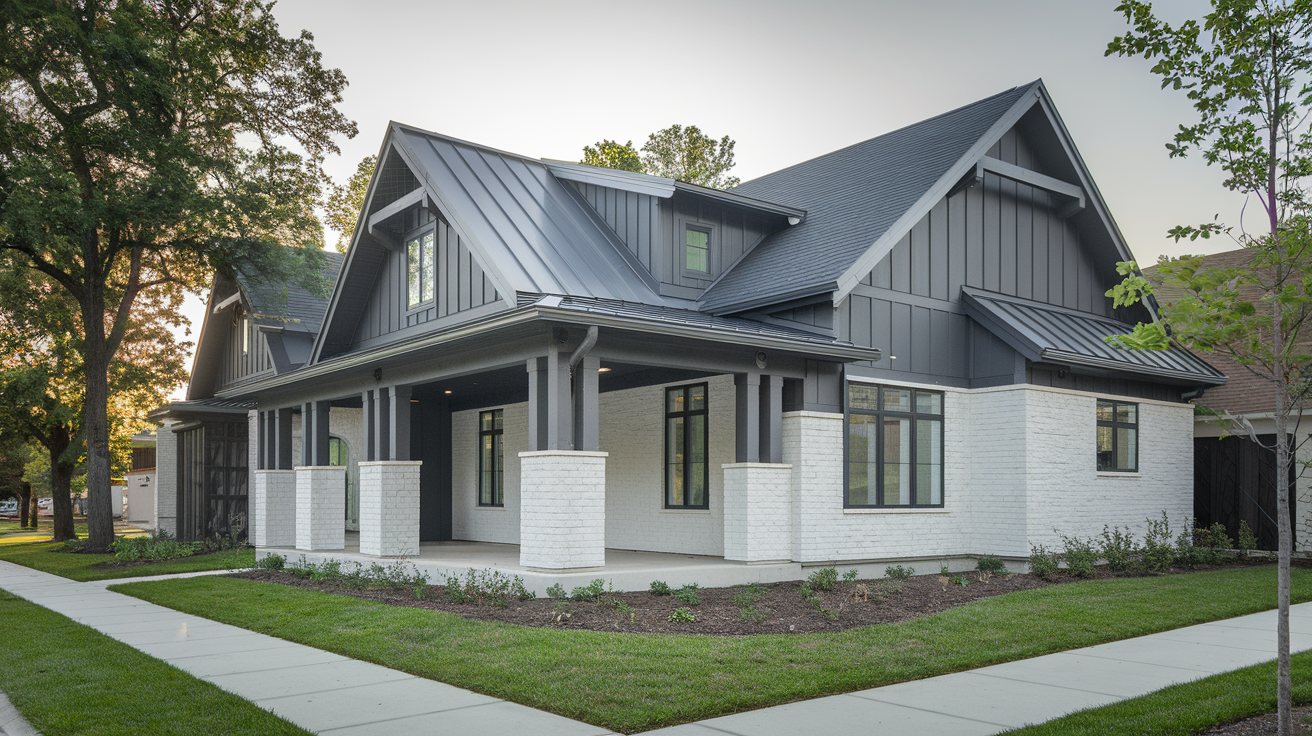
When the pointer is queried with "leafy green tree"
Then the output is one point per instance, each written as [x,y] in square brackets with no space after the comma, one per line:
[142,146]
[689,155]
[613,155]
[344,202]
[1245,69]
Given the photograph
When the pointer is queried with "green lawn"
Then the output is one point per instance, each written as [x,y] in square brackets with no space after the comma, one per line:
[1182,710]
[65,678]
[630,682]
[50,557]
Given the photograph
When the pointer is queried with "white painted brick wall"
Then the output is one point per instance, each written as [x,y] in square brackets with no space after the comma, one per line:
[758,512]
[562,510]
[1302,493]
[346,424]
[320,508]
[166,481]
[389,508]
[486,523]
[273,508]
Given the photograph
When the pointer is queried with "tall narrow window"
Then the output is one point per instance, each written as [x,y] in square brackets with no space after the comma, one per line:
[491,475]
[894,446]
[686,445]
[697,249]
[421,270]
[1118,436]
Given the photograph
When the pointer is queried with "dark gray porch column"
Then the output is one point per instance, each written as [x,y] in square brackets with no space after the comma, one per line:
[399,431]
[367,431]
[537,404]
[772,419]
[560,400]
[748,415]
[382,424]
[314,433]
[587,435]
[284,439]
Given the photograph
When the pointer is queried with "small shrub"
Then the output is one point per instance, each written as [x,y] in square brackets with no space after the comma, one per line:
[659,588]
[593,591]
[812,599]
[419,586]
[1118,548]
[991,565]
[1221,542]
[752,615]
[155,547]
[1080,556]
[683,614]
[903,574]
[851,576]
[961,580]
[688,594]
[1187,552]
[748,595]
[272,562]
[1042,561]
[556,591]
[824,579]
[623,609]
[1158,550]
[1247,540]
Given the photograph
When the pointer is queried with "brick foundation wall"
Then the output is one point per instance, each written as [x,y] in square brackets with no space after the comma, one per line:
[389,508]
[562,509]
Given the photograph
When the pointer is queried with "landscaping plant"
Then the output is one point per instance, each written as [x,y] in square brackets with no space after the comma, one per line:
[991,565]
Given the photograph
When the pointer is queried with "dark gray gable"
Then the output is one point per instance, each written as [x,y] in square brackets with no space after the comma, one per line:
[854,197]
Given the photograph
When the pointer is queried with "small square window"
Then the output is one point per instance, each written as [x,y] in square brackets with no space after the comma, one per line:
[697,249]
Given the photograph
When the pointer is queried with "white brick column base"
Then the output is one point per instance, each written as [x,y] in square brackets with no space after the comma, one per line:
[273,513]
[562,509]
[758,512]
[389,508]
[320,507]
[813,446]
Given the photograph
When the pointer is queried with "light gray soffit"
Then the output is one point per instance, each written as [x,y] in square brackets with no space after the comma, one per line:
[1046,333]
[628,181]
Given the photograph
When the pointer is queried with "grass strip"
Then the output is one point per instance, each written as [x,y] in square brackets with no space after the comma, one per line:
[68,679]
[632,682]
[1187,708]
[80,566]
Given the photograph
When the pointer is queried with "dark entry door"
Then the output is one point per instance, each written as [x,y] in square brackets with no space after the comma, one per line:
[1234,480]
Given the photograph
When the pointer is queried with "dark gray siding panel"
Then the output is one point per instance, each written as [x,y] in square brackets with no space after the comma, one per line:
[734,231]
[632,216]
[461,284]
[238,366]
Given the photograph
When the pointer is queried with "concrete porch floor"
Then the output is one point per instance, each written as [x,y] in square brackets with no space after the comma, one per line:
[625,570]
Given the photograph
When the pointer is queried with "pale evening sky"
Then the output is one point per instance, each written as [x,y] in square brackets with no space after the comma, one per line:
[787,80]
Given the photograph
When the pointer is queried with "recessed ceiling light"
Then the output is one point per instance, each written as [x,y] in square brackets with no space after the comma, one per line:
[447,391]
[603,370]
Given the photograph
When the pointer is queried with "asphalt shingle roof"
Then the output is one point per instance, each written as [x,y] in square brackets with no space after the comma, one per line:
[851,197]
[288,305]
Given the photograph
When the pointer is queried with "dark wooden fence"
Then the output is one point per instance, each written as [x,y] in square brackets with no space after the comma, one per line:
[1234,480]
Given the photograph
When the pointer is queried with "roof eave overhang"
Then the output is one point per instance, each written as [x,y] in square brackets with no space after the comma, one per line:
[841,352]
[185,409]
[742,201]
[755,304]
[1050,355]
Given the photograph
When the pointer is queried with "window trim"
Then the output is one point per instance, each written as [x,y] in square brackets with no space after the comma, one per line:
[417,236]
[499,489]
[667,415]
[879,504]
[691,273]
[1115,425]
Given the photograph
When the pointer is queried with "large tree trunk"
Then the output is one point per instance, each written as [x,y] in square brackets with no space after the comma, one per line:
[100,517]
[24,501]
[33,508]
[61,486]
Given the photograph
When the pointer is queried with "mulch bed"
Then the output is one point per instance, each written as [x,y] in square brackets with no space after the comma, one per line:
[780,606]
[1264,724]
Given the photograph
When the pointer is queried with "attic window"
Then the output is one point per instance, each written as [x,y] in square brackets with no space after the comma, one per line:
[697,248]
[421,268]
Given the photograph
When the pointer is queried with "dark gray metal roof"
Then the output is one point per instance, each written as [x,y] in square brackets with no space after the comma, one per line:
[676,316]
[528,231]
[183,409]
[1043,332]
[851,197]
[288,305]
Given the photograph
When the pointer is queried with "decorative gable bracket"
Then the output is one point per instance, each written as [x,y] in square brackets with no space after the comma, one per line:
[1073,193]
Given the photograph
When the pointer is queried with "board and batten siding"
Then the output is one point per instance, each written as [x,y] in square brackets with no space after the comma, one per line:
[238,366]
[734,231]
[461,283]
[1000,236]
[634,218]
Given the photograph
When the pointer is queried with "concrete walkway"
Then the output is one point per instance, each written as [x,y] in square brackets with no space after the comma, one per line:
[328,693]
[12,722]
[317,690]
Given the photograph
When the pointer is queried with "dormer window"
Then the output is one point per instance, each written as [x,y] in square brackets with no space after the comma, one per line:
[421,269]
[697,249]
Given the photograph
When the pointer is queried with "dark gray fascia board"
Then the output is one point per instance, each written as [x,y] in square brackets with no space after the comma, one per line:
[1061,356]
[840,351]
[767,301]
[742,201]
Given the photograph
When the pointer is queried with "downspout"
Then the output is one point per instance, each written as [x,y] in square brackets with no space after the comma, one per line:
[582,350]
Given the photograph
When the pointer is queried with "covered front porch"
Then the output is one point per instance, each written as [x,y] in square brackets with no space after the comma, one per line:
[623,570]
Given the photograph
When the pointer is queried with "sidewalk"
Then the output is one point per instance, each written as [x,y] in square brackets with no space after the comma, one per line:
[331,694]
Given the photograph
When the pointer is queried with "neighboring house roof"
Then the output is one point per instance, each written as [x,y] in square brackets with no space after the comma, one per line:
[288,305]
[852,197]
[1047,333]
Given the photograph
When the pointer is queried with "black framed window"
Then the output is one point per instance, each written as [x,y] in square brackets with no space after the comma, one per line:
[894,447]
[1118,436]
[686,445]
[697,249]
[491,459]
[421,269]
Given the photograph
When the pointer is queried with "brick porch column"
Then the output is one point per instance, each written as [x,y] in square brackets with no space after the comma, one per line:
[273,512]
[813,446]
[389,508]
[562,509]
[758,512]
[320,507]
